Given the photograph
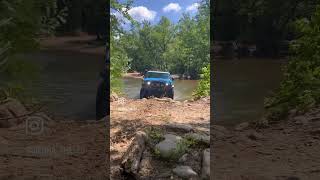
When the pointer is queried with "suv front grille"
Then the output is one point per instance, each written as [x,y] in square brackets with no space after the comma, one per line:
[157,84]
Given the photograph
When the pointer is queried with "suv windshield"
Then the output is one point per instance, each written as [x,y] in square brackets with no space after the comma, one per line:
[157,75]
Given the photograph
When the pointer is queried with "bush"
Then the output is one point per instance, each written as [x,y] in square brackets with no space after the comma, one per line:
[203,88]
[300,88]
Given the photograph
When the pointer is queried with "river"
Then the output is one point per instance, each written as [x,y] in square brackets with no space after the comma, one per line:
[240,87]
[183,89]
[68,82]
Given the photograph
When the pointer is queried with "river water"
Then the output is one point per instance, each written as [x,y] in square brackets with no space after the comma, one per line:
[240,87]
[69,80]
[183,89]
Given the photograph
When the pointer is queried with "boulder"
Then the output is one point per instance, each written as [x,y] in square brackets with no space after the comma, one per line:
[205,171]
[242,126]
[168,147]
[184,172]
[172,137]
[12,113]
[179,128]
[203,138]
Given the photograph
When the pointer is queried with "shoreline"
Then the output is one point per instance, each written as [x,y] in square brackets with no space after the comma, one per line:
[82,44]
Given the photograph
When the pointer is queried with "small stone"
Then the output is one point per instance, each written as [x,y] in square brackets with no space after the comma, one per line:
[292,113]
[3,141]
[315,131]
[293,178]
[301,120]
[113,97]
[218,131]
[183,158]
[242,126]
[184,172]
[219,128]
[12,113]
[205,172]
[255,136]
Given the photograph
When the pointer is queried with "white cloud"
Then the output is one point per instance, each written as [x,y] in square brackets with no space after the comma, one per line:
[172,7]
[120,17]
[193,7]
[141,13]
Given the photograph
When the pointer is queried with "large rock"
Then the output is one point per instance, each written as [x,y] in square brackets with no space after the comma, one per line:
[203,138]
[184,172]
[242,126]
[168,147]
[205,172]
[179,128]
[12,113]
[172,137]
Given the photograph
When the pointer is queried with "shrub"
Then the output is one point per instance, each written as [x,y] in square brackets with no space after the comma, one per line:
[300,88]
[203,88]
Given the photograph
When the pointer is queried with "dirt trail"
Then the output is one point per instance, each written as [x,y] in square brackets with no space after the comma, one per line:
[283,151]
[129,116]
[64,150]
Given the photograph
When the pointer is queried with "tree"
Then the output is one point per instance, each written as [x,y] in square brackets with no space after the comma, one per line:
[22,22]
[118,57]
[300,88]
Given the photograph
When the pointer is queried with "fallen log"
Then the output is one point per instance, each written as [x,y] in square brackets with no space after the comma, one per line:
[131,160]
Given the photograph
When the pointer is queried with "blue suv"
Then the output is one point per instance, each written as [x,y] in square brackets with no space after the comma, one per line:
[158,84]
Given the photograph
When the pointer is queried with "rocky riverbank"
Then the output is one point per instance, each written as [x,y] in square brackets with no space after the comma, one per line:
[34,146]
[160,138]
[287,150]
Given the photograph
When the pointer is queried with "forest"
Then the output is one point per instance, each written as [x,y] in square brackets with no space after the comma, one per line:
[267,24]
[179,48]
[182,48]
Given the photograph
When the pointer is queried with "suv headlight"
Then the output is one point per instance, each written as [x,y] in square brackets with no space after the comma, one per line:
[167,84]
[148,83]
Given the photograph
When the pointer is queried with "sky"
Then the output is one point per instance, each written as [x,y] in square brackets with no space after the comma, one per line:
[152,10]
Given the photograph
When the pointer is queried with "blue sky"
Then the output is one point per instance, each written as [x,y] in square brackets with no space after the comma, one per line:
[152,10]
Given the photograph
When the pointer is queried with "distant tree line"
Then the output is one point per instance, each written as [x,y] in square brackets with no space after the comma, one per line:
[265,23]
[85,16]
[181,48]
